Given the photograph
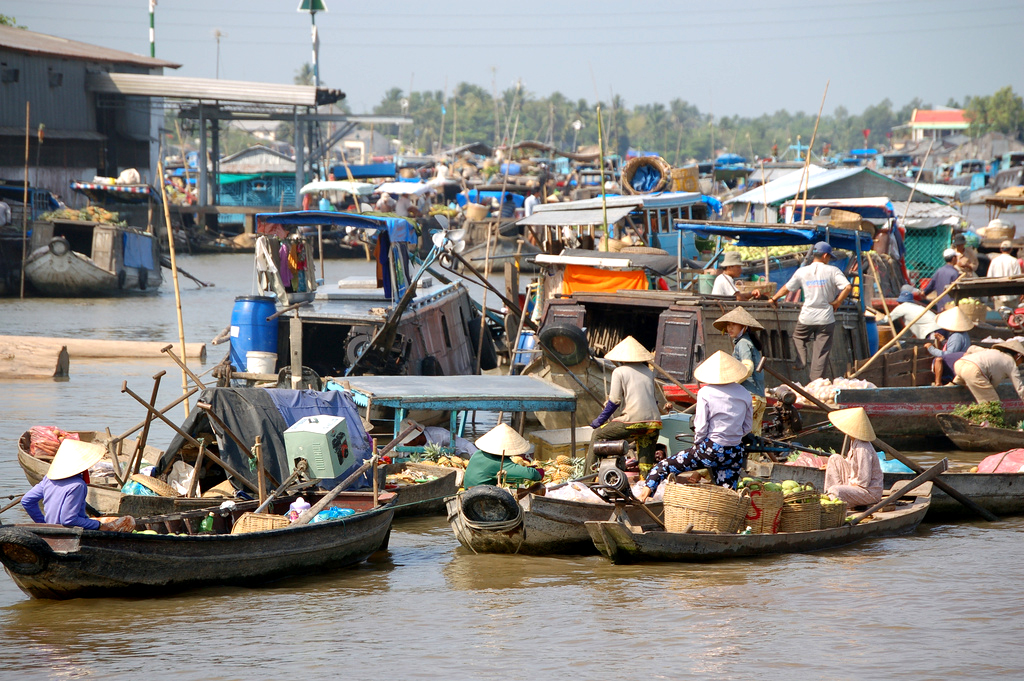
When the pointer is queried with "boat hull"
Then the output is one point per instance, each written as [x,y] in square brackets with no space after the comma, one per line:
[73,275]
[974,438]
[425,498]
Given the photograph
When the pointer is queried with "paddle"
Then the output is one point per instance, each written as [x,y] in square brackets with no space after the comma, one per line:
[927,476]
[909,463]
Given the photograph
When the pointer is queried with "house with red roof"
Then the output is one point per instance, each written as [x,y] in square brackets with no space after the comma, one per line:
[936,123]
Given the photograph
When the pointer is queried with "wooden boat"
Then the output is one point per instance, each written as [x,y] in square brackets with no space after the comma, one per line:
[544,526]
[78,259]
[1001,493]
[48,561]
[974,438]
[622,543]
[424,498]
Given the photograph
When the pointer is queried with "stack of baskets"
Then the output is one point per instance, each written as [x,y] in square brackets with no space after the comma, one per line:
[801,512]
[832,515]
[765,509]
[707,508]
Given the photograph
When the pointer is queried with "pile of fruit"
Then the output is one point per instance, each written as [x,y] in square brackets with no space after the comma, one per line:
[793,487]
[439,209]
[87,214]
[757,484]
[562,469]
[757,252]
[830,501]
[453,461]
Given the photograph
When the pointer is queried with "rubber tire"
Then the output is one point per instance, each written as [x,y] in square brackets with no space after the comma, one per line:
[143,278]
[16,540]
[59,244]
[488,355]
[489,504]
[566,342]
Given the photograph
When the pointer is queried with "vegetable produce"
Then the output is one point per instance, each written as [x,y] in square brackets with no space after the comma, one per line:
[987,414]
[87,214]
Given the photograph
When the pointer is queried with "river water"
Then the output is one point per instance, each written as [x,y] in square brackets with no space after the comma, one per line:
[934,605]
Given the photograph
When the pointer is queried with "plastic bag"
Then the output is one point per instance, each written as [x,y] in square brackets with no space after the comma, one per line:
[44,440]
[894,466]
[180,477]
[638,487]
[332,513]
[1011,461]
[135,489]
[575,491]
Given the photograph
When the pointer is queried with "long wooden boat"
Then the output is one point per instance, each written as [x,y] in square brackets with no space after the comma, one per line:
[546,526]
[424,498]
[622,543]
[974,438]
[49,561]
[1001,493]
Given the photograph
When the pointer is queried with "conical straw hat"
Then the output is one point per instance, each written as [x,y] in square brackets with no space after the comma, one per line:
[737,316]
[73,457]
[954,319]
[629,350]
[503,440]
[1011,345]
[854,422]
[719,369]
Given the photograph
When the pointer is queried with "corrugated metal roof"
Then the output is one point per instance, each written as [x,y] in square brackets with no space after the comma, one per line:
[582,216]
[786,186]
[946,116]
[20,40]
[951,191]
[661,200]
[257,159]
[206,89]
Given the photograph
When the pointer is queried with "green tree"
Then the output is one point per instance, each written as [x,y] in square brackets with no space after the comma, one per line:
[6,20]
[1001,112]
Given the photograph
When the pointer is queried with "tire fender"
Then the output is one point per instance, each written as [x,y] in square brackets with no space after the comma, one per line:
[23,552]
[566,342]
[487,503]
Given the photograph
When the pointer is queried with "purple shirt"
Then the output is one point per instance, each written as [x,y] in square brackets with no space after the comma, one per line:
[943,277]
[64,501]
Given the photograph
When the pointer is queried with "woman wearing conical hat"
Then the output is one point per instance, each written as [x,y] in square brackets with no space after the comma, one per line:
[857,477]
[724,415]
[64,487]
[953,326]
[747,349]
[635,397]
[494,453]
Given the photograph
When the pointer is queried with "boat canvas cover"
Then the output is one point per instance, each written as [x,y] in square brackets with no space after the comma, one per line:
[249,412]
[398,229]
[138,250]
[782,236]
[583,278]
[580,216]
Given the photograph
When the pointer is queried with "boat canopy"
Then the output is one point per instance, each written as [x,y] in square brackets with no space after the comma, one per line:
[411,188]
[580,216]
[366,171]
[357,188]
[398,229]
[117,193]
[747,235]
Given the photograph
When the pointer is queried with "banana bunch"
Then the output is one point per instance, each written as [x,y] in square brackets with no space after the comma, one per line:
[830,501]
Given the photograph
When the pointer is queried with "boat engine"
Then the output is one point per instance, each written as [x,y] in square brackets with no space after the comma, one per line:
[612,481]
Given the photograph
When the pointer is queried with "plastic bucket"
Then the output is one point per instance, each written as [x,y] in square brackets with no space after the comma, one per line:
[705,283]
[259,362]
[250,329]
[872,329]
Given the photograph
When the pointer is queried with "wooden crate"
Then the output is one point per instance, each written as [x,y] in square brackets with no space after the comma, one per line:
[549,444]
[904,368]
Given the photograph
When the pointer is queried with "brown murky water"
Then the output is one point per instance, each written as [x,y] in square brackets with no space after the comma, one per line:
[939,604]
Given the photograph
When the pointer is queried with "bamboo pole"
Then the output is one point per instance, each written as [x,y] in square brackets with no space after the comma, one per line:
[885,303]
[906,328]
[916,180]
[810,147]
[174,276]
[604,195]
[25,205]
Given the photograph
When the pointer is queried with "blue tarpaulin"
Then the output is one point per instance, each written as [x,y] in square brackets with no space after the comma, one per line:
[781,236]
[399,229]
[361,172]
[138,250]
[475,196]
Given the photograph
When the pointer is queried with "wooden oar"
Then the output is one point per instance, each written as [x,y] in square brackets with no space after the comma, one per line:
[17,500]
[908,462]
[927,476]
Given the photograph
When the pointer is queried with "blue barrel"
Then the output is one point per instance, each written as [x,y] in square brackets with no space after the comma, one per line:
[872,328]
[250,329]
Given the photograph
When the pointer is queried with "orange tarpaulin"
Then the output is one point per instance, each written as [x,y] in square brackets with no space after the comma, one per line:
[583,278]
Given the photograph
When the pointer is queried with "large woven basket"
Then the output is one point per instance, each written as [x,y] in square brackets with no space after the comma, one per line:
[765,511]
[801,512]
[707,508]
[258,522]
[832,515]
[975,311]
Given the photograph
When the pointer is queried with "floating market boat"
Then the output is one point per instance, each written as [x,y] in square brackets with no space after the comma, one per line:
[623,543]
[49,561]
[974,438]
[420,488]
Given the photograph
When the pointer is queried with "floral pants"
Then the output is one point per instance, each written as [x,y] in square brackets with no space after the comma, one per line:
[725,463]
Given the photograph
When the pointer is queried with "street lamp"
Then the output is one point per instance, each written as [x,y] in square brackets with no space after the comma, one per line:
[314,6]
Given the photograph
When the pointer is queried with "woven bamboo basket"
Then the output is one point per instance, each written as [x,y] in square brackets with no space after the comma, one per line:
[801,512]
[708,508]
[832,515]
[634,164]
[158,486]
[475,211]
[258,522]
[767,288]
[765,511]
[975,311]
[1001,233]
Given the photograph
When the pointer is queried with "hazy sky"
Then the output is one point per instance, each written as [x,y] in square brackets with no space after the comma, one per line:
[742,57]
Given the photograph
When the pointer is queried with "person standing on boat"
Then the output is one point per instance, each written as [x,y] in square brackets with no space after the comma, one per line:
[857,477]
[494,454]
[63,490]
[907,311]
[943,277]
[953,326]
[984,370]
[634,390]
[724,415]
[747,349]
[825,287]
[531,202]
[1004,265]
[967,257]
[725,283]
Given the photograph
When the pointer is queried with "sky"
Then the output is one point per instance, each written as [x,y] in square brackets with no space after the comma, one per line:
[742,57]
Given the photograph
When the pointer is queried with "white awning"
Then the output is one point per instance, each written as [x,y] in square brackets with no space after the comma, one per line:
[581,216]
[607,263]
[398,188]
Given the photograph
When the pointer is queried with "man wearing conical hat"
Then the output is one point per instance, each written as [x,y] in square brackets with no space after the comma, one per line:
[494,453]
[857,477]
[64,488]
[724,415]
[984,370]
[637,399]
[952,335]
[747,349]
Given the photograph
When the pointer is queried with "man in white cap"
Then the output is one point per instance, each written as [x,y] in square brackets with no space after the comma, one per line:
[1005,265]
[494,454]
[857,477]
[63,490]
[825,287]
[432,435]
[984,370]
[724,415]
[634,390]
[943,277]
[725,283]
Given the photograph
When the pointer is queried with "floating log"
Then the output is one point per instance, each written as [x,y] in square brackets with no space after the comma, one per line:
[81,348]
[24,362]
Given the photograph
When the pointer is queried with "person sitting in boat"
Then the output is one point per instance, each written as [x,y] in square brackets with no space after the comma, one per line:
[494,453]
[984,370]
[634,390]
[747,349]
[857,477]
[725,283]
[953,337]
[431,435]
[724,415]
[908,311]
[64,488]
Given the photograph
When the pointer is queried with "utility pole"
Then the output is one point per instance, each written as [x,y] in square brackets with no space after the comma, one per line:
[152,28]
[314,6]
